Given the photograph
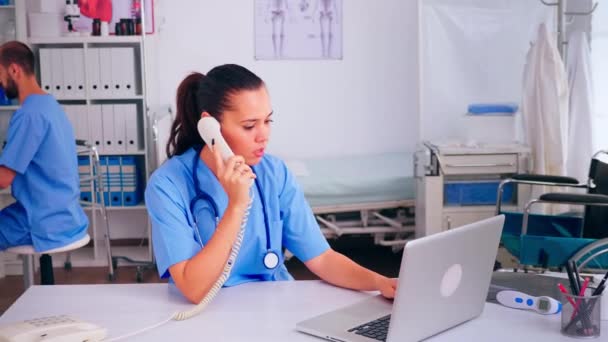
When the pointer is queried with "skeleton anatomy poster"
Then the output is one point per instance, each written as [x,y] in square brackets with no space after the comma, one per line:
[298,29]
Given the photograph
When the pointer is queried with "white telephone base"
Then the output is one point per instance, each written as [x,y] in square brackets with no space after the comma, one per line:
[52,329]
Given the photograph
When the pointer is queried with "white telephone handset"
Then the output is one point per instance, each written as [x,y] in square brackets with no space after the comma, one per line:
[209,129]
[55,328]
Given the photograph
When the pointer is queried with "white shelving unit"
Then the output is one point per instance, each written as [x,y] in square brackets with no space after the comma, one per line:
[89,101]
[121,216]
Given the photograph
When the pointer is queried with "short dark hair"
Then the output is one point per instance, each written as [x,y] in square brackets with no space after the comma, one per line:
[15,52]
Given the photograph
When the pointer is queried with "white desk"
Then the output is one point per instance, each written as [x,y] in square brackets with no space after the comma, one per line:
[251,312]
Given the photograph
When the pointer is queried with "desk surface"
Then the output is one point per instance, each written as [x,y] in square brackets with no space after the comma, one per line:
[265,311]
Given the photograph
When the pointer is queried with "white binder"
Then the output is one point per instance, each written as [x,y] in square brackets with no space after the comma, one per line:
[46,78]
[57,74]
[82,123]
[96,127]
[93,73]
[107,114]
[79,72]
[68,73]
[131,131]
[126,73]
[120,134]
[105,62]
[117,70]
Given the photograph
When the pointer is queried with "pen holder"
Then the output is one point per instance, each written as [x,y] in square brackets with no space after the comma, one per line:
[581,316]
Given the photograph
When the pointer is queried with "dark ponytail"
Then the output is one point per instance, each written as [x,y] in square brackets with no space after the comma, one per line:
[198,93]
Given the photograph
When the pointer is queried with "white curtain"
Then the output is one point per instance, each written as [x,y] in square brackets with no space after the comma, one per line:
[472,51]
[581,123]
[599,60]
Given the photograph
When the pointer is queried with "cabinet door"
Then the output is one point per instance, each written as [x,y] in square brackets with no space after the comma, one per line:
[454,220]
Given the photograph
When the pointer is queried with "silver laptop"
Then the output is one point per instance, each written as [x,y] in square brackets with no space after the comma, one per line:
[444,281]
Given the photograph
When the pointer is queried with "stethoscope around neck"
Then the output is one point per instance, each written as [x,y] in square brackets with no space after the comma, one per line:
[271,258]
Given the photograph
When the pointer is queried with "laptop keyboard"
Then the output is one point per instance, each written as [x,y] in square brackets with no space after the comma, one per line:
[376,329]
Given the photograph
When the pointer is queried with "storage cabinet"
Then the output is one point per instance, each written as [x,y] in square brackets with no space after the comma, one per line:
[457,184]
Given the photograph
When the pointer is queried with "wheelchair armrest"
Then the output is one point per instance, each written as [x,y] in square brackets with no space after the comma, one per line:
[551,180]
[584,199]
[534,179]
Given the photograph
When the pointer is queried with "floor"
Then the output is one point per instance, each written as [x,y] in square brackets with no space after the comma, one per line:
[360,249]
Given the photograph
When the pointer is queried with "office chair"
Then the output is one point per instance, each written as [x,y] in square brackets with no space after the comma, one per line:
[550,240]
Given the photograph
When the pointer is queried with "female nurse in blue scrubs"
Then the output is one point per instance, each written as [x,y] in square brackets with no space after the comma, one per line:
[197,201]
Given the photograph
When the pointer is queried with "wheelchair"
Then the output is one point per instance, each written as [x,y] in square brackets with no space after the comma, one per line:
[549,241]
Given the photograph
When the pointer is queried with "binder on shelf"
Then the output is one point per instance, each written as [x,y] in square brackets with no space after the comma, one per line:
[77,115]
[82,123]
[131,128]
[79,72]
[114,184]
[93,73]
[46,78]
[105,71]
[57,88]
[130,187]
[96,127]
[68,74]
[107,115]
[129,72]
[120,135]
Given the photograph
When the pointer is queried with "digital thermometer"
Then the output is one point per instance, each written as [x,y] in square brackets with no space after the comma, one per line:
[519,300]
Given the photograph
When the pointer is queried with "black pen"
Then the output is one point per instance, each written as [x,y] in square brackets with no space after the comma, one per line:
[571,279]
[578,277]
[598,290]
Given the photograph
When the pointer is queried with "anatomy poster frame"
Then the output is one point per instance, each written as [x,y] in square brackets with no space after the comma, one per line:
[298,29]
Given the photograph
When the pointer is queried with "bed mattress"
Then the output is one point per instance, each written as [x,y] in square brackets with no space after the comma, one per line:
[356,179]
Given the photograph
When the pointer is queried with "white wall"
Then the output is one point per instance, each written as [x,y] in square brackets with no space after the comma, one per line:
[365,103]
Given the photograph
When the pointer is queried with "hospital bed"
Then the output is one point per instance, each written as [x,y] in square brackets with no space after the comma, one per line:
[366,194]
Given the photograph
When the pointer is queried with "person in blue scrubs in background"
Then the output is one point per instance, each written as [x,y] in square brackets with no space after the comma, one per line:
[39,162]
[193,234]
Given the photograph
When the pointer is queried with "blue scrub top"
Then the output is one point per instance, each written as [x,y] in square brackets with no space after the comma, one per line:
[41,149]
[291,221]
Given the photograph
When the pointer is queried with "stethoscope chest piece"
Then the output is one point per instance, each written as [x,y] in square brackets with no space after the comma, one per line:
[271,260]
